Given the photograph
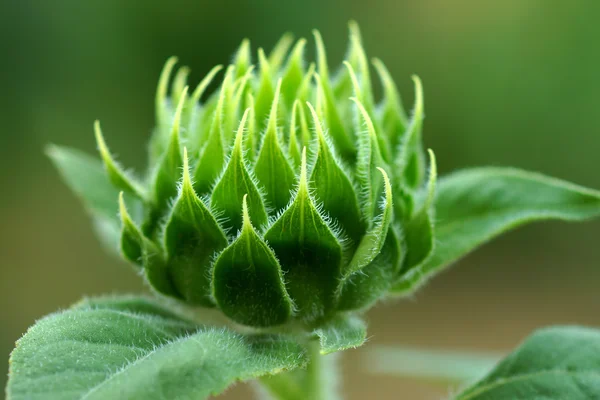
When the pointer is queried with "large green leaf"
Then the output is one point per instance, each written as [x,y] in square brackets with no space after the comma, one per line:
[138,350]
[476,205]
[553,364]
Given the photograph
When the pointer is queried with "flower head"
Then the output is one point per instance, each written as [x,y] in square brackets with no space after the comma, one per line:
[289,194]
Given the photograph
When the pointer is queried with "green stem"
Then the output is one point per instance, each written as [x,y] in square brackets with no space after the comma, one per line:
[315,379]
[317,382]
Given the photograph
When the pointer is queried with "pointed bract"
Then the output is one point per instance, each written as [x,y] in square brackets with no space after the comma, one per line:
[336,128]
[248,282]
[115,173]
[308,251]
[363,288]
[265,91]
[192,236]
[392,116]
[410,161]
[161,110]
[360,96]
[369,161]
[371,244]
[332,187]
[212,155]
[272,167]
[189,111]
[141,251]
[293,74]
[243,58]
[293,147]
[235,183]
[179,84]
[419,231]
[251,137]
[280,50]
[169,168]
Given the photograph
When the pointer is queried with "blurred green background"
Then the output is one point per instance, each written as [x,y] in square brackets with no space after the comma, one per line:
[512,82]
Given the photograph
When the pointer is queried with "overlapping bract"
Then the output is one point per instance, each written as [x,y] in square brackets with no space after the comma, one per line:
[289,194]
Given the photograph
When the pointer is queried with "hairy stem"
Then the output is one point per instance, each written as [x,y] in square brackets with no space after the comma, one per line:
[317,382]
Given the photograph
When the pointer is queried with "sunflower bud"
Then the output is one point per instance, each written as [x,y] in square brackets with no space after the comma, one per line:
[288,195]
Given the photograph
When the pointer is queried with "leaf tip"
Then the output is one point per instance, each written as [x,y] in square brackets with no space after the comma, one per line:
[163,81]
[186,180]
[240,132]
[123,209]
[418,95]
[432,176]
[178,111]
[247,223]
[274,106]
[303,181]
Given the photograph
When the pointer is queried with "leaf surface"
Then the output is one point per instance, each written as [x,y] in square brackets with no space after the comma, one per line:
[475,205]
[342,333]
[552,364]
[133,352]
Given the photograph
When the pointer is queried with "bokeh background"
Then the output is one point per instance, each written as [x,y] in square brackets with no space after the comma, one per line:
[512,82]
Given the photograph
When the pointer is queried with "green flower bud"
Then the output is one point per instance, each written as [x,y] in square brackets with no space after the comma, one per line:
[287,196]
